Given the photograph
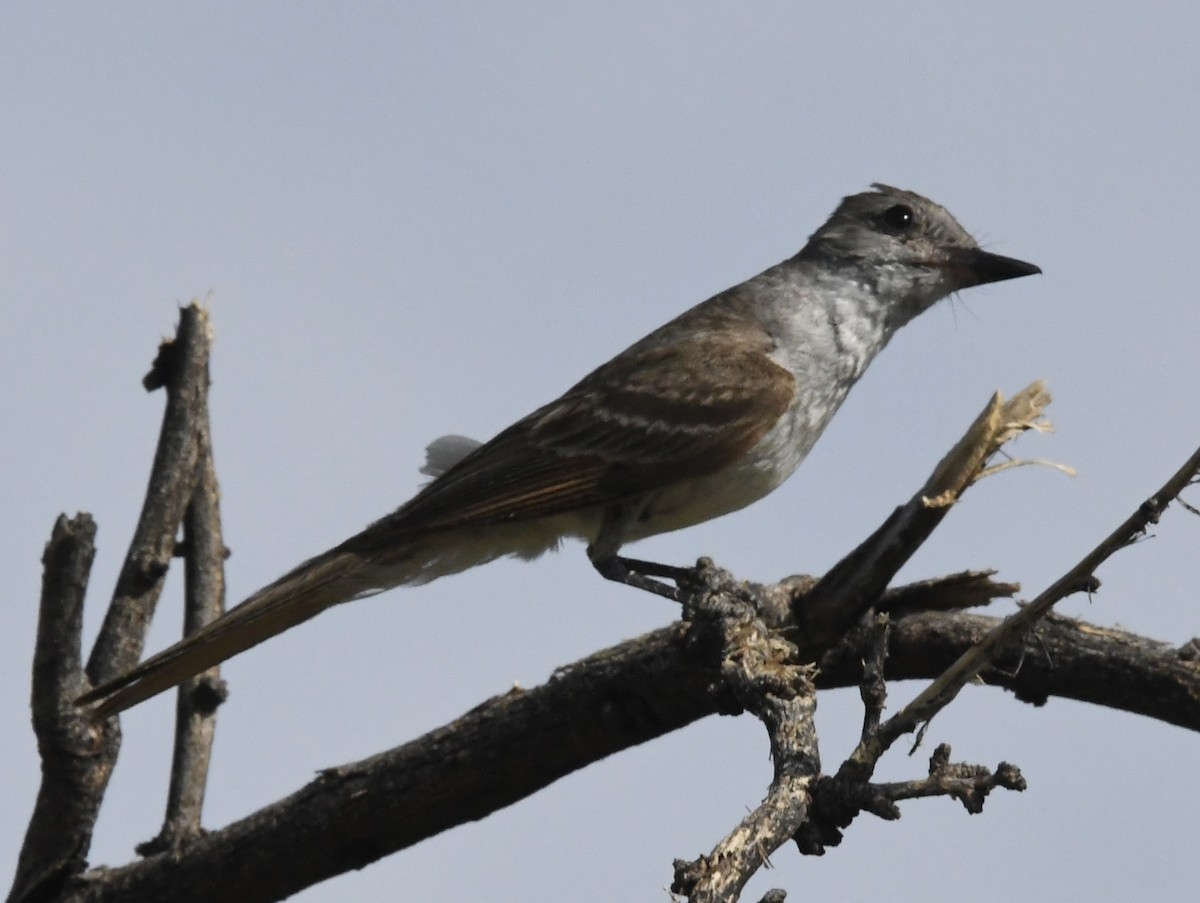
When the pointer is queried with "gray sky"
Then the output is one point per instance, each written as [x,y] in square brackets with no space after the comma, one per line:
[421,218]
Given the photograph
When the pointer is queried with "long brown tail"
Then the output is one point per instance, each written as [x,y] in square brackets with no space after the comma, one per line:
[333,577]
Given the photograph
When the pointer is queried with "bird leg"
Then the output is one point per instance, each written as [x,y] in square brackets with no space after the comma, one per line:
[655,569]
[641,575]
[632,571]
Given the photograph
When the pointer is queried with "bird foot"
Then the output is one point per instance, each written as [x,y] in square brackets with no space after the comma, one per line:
[642,575]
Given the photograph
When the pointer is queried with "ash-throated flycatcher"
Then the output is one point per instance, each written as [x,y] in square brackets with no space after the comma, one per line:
[700,418]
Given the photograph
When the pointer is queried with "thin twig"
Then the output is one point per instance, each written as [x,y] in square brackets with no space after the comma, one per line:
[969,784]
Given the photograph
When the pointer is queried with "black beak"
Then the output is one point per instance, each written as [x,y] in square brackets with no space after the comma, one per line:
[978,267]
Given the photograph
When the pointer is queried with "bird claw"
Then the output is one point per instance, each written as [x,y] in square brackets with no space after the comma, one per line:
[647,576]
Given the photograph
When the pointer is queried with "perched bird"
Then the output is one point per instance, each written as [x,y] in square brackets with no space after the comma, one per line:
[700,418]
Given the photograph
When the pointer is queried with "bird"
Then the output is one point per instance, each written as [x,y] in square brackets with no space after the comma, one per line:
[705,415]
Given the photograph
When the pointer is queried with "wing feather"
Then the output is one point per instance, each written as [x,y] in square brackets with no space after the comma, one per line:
[653,415]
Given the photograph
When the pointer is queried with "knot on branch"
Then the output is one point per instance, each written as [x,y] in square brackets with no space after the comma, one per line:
[163,367]
[730,628]
[689,874]
[208,693]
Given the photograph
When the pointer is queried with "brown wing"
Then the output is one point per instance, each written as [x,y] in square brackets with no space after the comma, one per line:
[651,415]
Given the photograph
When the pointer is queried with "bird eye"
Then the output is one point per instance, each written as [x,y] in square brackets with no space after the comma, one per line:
[900,216]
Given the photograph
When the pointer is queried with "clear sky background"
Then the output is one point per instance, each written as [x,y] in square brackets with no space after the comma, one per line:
[419,218]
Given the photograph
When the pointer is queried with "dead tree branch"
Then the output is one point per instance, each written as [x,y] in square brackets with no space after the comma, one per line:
[818,615]
[741,646]
[840,797]
[60,829]
[48,862]
[182,369]
[199,696]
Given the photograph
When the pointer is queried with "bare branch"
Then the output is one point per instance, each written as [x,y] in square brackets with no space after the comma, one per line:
[60,830]
[198,697]
[181,367]
[837,800]
[967,589]
[498,753]
[1061,657]
[969,784]
[78,756]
